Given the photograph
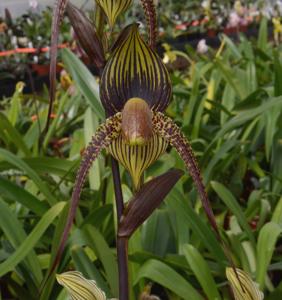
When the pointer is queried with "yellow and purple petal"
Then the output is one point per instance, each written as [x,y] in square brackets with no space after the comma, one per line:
[244,288]
[80,288]
[134,70]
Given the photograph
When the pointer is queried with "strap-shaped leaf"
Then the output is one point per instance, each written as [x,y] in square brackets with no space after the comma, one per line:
[146,200]
[113,8]
[103,137]
[134,70]
[80,288]
[246,289]
[86,35]
[136,159]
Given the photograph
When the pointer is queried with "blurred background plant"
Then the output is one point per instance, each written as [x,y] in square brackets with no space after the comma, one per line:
[228,101]
[29,31]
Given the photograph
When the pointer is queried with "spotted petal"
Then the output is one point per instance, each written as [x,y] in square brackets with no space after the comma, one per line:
[246,289]
[150,12]
[166,128]
[103,137]
[113,8]
[134,70]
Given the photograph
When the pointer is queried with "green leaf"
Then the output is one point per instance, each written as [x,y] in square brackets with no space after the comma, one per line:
[179,204]
[13,135]
[231,45]
[24,249]
[164,275]
[14,232]
[83,264]
[271,118]
[157,234]
[84,81]
[277,214]
[228,75]
[201,271]
[19,163]
[263,34]
[266,243]
[248,115]
[15,193]
[52,165]
[229,200]
[277,75]
[105,255]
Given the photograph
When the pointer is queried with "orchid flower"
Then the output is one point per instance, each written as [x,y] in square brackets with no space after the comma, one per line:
[135,90]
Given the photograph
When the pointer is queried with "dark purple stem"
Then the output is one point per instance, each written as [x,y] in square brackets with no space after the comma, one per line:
[122,250]
[122,243]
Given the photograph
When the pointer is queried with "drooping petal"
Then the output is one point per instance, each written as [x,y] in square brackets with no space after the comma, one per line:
[146,200]
[113,8]
[86,35]
[134,71]
[166,128]
[246,289]
[103,137]
[151,18]
[80,288]
[136,159]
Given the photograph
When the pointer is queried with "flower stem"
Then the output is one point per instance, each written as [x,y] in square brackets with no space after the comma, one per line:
[122,243]
[122,251]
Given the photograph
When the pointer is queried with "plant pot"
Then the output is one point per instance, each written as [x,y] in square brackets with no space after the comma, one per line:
[43,70]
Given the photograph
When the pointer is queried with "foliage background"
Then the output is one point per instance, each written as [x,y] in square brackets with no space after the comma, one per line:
[228,103]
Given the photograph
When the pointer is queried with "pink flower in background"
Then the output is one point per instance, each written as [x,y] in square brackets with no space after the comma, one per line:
[33,4]
[234,19]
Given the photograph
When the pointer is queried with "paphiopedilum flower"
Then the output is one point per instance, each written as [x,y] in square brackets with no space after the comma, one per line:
[135,90]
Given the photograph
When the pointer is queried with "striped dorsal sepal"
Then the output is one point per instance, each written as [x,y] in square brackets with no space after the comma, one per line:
[134,71]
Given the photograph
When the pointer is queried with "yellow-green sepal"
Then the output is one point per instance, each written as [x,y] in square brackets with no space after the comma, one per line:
[113,8]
